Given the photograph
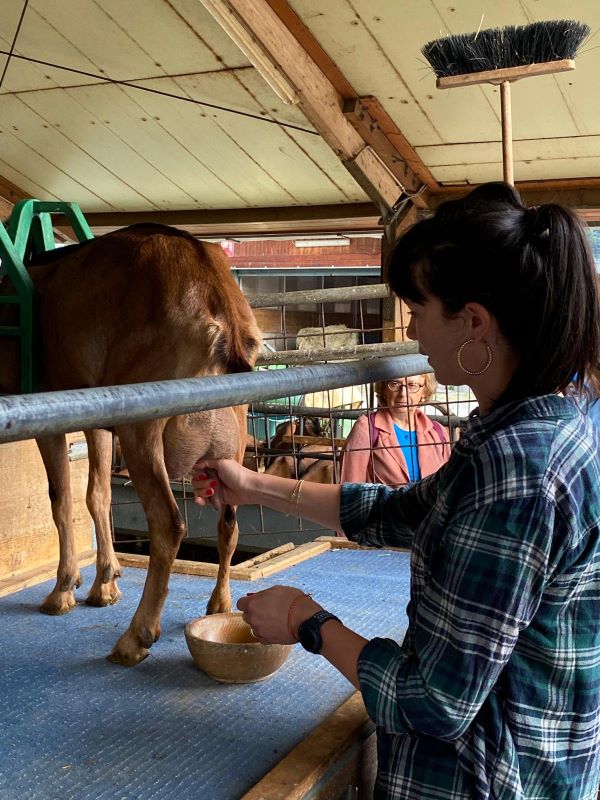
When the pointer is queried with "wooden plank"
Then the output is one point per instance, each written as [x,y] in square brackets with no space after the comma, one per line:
[276,551]
[201,568]
[22,580]
[320,440]
[339,543]
[497,76]
[303,772]
[268,566]
[301,553]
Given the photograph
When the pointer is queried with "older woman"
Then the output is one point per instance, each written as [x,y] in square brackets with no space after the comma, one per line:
[398,444]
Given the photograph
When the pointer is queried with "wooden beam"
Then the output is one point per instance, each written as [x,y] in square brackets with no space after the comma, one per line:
[9,195]
[305,38]
[405,163]
[318,98]
[311,768]
[579,193]
[377,128]
[232,223]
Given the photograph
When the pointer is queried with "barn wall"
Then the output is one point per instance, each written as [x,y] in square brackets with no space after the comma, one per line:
[28,538]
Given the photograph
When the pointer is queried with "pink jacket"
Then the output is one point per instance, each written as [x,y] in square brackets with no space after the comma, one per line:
[387,463]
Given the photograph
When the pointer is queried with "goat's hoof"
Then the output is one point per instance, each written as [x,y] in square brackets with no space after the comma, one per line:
[127,658]
[218,606]
[128,652]
[133,646]
[58,603]
[105,594]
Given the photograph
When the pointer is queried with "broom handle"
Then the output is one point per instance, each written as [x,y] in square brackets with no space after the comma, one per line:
[507,151]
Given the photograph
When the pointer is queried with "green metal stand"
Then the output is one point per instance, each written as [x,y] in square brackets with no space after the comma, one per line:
[30,225]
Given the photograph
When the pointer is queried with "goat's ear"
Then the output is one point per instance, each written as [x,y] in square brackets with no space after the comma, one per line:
[231,349]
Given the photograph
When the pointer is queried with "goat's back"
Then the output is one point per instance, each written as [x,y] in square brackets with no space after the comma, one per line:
[143,303]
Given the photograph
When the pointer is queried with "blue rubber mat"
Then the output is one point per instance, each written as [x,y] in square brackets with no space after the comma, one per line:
[76,727]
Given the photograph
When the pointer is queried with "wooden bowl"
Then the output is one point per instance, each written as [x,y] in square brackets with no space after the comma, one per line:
[223,646]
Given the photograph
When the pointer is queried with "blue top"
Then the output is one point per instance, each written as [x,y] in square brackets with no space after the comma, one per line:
[408,444]
[495,691]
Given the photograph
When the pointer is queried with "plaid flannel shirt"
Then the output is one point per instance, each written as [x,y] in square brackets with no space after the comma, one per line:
[495,691]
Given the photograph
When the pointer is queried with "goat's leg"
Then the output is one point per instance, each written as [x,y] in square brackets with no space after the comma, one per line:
[56,461]
[220,599]
[104,591]
[143,451]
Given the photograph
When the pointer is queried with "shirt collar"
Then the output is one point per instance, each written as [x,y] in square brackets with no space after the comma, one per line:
[550,406]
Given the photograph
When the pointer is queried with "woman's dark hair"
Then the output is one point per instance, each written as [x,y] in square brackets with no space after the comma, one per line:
[532,268]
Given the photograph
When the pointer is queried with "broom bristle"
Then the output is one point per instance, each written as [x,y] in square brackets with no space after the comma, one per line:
[500,48]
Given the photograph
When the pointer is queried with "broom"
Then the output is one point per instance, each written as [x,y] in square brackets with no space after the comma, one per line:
[503,55]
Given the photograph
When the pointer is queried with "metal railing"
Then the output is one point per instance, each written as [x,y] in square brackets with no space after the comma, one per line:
[30,416]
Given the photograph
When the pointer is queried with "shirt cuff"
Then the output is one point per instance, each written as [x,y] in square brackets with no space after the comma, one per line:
[378,666]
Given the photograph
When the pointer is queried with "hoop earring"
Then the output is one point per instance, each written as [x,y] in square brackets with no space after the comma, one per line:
[471,371]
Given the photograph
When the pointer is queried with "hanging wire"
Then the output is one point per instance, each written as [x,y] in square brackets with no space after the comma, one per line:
[10,53]
[133,85]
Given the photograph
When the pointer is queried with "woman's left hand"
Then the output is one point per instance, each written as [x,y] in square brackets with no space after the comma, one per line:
[268,613]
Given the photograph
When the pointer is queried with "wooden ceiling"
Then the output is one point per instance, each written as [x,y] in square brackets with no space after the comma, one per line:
[147,109]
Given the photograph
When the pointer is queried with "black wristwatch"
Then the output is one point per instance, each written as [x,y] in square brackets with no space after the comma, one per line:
[309,632]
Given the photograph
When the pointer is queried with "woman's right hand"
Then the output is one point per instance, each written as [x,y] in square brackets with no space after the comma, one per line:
[221,482]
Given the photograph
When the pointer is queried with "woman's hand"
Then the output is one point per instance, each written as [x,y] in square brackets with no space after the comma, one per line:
[276,613]
[222,482]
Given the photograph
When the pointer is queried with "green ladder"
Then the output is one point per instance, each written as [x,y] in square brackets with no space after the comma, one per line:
[30,224]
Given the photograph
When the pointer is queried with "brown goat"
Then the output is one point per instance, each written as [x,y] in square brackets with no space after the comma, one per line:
[145,303]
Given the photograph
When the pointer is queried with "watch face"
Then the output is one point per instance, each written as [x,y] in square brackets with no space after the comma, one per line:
[309,636]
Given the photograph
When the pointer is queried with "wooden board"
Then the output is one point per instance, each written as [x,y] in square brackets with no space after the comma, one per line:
[269,563]
[40,574]
[28,537]
[325,763]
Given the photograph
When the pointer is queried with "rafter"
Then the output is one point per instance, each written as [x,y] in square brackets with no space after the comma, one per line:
[318,97]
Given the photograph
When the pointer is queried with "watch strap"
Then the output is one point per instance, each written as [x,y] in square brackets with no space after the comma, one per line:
[309,631]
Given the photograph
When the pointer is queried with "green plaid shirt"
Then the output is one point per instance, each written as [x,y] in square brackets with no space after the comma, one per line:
[495,691]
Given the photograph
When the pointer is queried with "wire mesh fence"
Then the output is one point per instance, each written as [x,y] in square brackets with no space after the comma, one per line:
[393,431]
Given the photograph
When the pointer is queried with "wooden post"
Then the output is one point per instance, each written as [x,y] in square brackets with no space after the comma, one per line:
[394,317]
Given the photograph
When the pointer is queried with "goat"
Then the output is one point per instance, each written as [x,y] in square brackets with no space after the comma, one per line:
[144,303]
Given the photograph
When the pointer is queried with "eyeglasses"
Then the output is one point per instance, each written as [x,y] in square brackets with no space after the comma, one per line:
[412,386]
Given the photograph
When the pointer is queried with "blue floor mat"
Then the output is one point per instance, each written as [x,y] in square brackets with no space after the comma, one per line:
[76,727]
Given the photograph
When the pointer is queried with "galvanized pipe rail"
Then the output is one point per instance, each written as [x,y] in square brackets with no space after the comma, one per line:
[373,291]
[30,416]
[337,354]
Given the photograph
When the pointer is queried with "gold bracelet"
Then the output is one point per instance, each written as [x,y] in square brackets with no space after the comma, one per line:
[295,498]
